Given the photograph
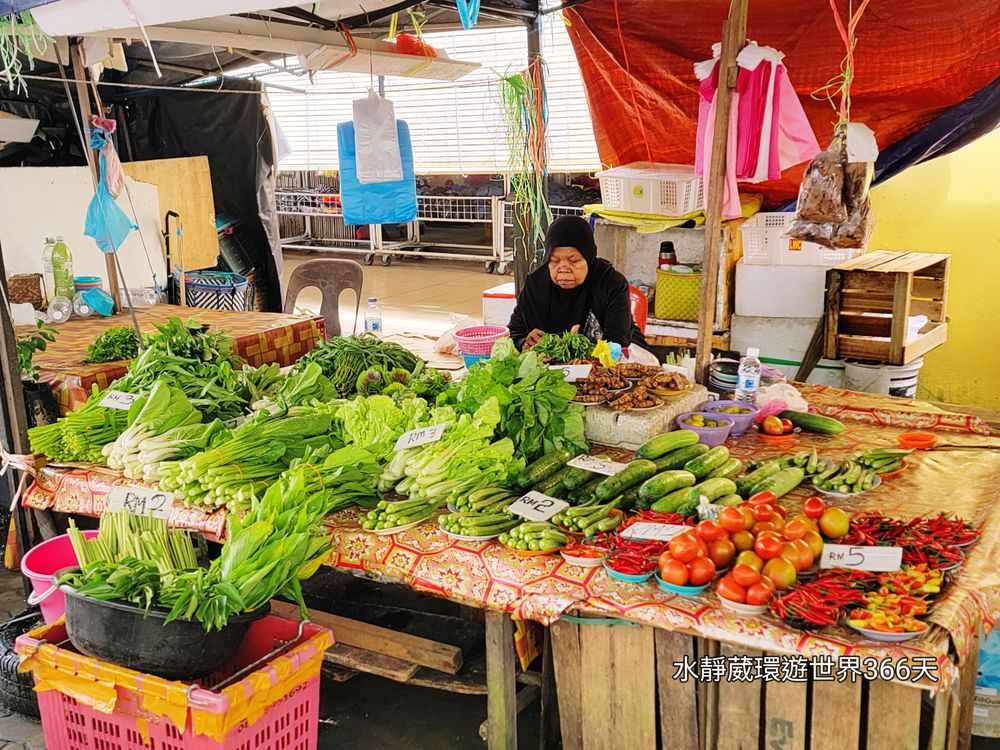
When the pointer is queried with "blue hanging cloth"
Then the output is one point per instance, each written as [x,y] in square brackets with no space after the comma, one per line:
[106,222]
[468,12]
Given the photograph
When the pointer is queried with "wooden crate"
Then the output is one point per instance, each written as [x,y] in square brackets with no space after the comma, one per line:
[616,688]
[868,301]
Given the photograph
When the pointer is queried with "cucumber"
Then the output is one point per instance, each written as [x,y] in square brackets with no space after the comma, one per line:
[676,459]
[716,488]
[585,493]
[704,465]
[663,444]
[729,501]
[690,506]
[675,499]
[765,470]
[543,468]
[636,472]
[664,483]
[553,483]
[730,469]
[573,477]
[781,483]
[629,499]
[814,422]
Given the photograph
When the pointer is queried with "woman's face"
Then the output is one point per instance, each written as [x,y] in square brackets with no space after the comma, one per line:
[567,267]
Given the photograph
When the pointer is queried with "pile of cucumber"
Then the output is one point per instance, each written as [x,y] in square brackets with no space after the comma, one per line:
[535,536]
[589,519]
[811,462]
[882,460]
[849,477]
[477,524]
[486,500]
[391,515]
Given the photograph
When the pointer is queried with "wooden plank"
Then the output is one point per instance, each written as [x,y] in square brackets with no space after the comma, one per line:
[963,699]
[338,673]
[831,314]
[785,718]
[924,343]
[678,700]
[929,288]
[893,715]
[566,661]
[854,347]
[501,687]
[864,325]
[548,735]
[900,311]
[525,697]
[933,309]
[411,648]
[708,698]
[718,342]
[836,716]
[939,721]
[857,301]
[633,676]
[597,694]
[739,706]
[368,661]
[185,186]
[867,281]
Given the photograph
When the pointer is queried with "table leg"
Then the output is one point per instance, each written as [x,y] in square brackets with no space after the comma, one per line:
[501,685]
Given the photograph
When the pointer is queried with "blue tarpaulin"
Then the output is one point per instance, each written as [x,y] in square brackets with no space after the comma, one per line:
[8,7]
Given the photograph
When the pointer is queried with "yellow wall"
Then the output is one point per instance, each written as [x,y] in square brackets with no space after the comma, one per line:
[952,205]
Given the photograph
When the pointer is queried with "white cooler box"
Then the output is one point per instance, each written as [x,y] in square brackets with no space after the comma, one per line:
[780,291]
[498,304]
[782,343]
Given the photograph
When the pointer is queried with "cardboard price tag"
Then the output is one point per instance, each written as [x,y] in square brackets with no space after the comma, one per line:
[873,559]
[573,372]
[535,506]
[654,532]
[597,465]
[118,400]
[142,501]
[420,436]
[235,421]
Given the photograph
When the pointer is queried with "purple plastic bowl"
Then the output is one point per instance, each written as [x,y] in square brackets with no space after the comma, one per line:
[741,422]
[710,436]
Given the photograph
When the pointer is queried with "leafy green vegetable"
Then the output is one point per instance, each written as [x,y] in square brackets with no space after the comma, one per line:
[120,342]
[345,358]
[165,408]
[28,345]
[562,348]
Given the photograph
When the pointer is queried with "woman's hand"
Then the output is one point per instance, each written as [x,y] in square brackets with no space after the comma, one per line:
[533,338]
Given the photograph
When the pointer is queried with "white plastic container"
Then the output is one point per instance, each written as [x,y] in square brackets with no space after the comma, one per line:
[775,291]
[765,242]
[890,380]
[498,304]
[646,188]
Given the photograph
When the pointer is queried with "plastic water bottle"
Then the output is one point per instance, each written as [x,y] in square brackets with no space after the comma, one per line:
[748,382]
[373,318]
[57,266]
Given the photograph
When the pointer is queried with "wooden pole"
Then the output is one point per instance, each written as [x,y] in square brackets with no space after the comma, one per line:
[734,32]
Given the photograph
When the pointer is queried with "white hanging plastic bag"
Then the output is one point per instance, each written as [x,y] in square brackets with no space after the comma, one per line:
[375,141]
[382,202]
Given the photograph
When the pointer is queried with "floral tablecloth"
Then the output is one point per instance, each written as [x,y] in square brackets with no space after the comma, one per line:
[260,338]
[963,481]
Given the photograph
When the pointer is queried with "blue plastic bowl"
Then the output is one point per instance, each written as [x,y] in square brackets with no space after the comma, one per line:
[100,301]
[627,577]
[471,359]
[682,590]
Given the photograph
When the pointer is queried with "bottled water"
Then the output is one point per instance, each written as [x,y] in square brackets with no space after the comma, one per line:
[373,318]
[57,267]
[749,376]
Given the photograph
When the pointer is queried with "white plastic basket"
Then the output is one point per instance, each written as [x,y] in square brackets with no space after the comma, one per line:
[765,243]
[646,188]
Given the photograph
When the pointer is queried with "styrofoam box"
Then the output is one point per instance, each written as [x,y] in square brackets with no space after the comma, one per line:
[498,304]
[782,343]
[780,291]
[986,713]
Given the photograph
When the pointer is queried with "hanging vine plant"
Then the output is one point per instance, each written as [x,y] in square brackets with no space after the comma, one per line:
[20,39]
[524,110]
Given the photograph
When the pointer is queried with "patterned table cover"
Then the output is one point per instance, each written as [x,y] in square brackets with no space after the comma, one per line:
[260,338]
[483,574]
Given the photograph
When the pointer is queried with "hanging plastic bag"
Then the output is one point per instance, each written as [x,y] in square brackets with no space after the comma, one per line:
[106,222]
[862,151]
[376,142]
[379,202]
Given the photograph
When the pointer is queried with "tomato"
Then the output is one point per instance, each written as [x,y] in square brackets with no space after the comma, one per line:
[791,553]
[763,498]
[673,571]
[815,542]
[745,575]
[701,570]
[779,511]
[809,523]
[727,588]
[767,547]
[781,572]
[731,519]
[760,528]
[751,558]
[772,426]
[743,540]
[748,519]
[721,552]
[763,512]
[684,547]
[834,523]
[709,531]
[814,507]
[787,426]
[768,584]
[758,594]
[795,530]
[806,555]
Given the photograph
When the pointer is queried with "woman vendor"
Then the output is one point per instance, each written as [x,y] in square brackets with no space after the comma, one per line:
[573,290]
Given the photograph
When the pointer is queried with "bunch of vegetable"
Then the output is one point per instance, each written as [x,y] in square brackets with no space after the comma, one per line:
[846,477]
[932,540]
[473,523]
[535,536]
[300,388]
[811,462]
[566,347]
[165,408]
[821,602]
[391,515]
[345,358]
[82,434]
[120,342]
[590,519]
[173,445]
[882,460]
[487,500]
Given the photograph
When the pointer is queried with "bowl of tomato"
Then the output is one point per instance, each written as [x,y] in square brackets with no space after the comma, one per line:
[775,430]
[711,428]
[741,412]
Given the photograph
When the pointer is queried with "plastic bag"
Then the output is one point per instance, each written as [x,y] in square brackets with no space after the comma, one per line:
[446,341]
[821,196]
[380,202]
[640,356]
[106,222]
[376,141]
[784,392]
[855,230]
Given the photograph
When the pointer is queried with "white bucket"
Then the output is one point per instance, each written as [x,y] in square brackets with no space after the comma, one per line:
[890,380]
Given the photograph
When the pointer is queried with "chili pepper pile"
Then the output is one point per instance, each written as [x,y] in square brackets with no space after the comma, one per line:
[653,516]
[633,556]
[820,602]
[915,580]
[925,540]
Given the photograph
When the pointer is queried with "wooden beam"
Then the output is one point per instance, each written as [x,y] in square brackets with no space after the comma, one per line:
[501,687]
[734,32]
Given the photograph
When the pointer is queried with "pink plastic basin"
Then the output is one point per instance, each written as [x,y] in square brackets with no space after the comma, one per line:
[40,564]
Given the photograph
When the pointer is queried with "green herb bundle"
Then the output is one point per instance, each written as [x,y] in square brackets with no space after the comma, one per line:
[562,348]
[120,342]
[345,358]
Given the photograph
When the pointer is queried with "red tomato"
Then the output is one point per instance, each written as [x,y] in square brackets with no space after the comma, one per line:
[763,498]
[780,511]
[795,530]
[673,571]
[709,531]
[813,507]
[721,552]
[763,512]
[772,426]
[768,584]
[684,547]
[760,528]
[787,426]
[731,519]
[727,588]
[745,575]
[767,547]
[701,570]
[748,519]
[758,593]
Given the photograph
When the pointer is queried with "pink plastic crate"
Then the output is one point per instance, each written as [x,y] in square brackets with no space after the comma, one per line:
[290,722]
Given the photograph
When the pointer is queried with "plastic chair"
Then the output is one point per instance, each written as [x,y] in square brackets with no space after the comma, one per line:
[331,276]
[640,307]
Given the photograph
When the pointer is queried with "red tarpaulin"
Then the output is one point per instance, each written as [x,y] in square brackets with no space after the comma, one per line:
[913,61]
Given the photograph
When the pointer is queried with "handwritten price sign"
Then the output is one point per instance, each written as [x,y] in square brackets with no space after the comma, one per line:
[535,506]
[654,532]
[873,559]
[597,465]
[573,372]
[420,436]
[118,400]
[142,501]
